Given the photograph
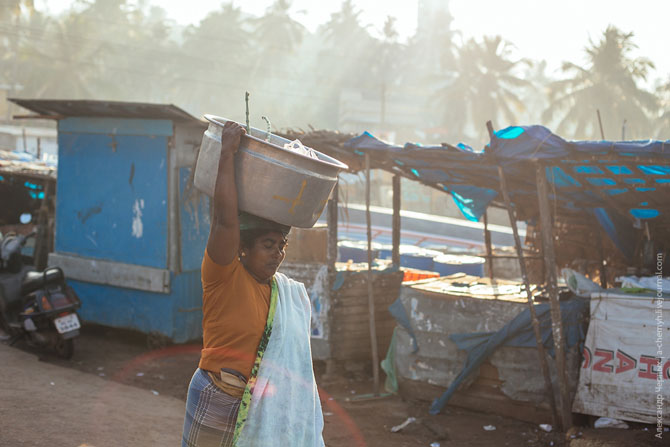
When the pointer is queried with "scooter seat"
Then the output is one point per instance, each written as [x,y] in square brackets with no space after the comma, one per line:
[37,280]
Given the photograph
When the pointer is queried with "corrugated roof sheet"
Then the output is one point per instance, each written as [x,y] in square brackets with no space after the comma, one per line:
[111,109]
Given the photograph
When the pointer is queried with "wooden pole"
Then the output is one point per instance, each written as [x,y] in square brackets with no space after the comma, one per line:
[371,298]
[601,254]
[395,251]
[600,123]
[331,217]
[489,248]
[556,323]
[331,257]
[544,366]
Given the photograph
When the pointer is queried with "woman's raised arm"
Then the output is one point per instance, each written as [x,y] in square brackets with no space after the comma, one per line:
[224,233]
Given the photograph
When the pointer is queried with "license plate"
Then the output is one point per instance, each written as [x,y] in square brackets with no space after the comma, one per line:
[67,323]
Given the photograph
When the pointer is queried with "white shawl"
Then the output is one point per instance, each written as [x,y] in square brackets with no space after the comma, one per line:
[285,409]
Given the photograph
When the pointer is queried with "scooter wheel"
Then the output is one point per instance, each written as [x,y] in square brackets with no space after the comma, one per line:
[65,348]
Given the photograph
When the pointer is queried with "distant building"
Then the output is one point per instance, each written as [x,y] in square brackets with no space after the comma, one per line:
[394,118]
[36,137]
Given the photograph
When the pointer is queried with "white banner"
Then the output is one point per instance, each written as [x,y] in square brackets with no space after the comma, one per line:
[626,371]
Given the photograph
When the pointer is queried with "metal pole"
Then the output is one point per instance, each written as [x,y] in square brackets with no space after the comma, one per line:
[489,248]
[395,251]
[549,391]
[371,298]
[556,323]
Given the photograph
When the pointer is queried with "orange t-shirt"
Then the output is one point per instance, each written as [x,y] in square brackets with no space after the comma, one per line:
[234,312]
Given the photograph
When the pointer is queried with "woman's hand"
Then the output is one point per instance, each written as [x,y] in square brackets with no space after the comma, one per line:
[230,138]
[224,232]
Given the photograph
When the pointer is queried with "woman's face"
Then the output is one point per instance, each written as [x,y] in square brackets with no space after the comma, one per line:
[265,256]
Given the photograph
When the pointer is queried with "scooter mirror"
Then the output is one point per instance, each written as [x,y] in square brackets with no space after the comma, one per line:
[26,218]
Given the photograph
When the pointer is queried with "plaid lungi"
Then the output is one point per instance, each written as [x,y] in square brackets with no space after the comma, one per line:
[210,414]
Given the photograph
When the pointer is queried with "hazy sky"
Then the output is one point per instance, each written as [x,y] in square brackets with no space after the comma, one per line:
[540,29]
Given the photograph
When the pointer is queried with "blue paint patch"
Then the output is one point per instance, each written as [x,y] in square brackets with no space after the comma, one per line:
[399,163]
[1,178]
[509,133]
[634,181]
[645,189]
[614,192]
[31,185]
[36,195]
[465,205]
[415,172]
[588,170]
[644,213]
[358,152]
[618,170]
[644,203]
[558,177]
[655,169]
[663,180]
[599,181]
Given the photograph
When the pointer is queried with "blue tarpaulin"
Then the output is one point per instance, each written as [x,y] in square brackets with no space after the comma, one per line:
[518,332]
[635,174]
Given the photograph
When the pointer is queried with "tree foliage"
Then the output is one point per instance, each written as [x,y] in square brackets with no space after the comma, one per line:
[609,83]
[123,50]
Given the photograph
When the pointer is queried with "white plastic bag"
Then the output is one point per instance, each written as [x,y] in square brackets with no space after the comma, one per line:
[579,284]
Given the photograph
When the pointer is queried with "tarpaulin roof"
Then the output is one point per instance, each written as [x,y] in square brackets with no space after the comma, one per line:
[619,183]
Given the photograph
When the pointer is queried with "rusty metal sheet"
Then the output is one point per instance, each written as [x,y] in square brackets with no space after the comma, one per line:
[110,109]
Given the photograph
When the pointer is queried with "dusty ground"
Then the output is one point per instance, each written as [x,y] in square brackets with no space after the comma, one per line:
[43,405]
[120,357]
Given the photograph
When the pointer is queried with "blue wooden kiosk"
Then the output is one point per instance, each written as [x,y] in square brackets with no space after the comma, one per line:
[130,228]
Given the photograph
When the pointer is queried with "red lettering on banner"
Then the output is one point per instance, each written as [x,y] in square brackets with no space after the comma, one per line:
[666,370]
[648,372]
[626,362]
[607,356]
[587,357]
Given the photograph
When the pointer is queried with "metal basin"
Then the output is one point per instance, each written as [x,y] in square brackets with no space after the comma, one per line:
[272,182]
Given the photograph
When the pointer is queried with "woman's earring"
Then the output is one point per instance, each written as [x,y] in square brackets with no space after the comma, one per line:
[243,254]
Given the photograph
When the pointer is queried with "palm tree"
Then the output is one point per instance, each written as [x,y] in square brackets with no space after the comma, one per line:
[344,59]
[663,124]
[608,83]
[483,85]
[344,26]
[276,32]
[214,59]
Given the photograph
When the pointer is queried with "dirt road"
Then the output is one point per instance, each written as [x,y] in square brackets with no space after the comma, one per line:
[103,397]
[48,405]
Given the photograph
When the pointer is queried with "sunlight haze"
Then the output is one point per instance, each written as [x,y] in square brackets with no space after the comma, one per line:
[532,26]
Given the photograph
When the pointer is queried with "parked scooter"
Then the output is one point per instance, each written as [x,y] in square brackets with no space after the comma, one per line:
[37,306]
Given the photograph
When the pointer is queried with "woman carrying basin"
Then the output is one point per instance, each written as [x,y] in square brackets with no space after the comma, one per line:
[255,383]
